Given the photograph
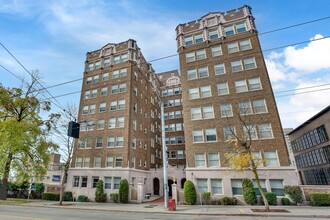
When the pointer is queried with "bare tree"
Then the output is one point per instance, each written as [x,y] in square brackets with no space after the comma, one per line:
[66,143]
[242,155]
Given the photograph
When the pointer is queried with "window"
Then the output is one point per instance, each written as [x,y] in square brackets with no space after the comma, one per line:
[254,84]
[78,162]
[109,162]
[196,113]
[245,44]
[99,142]
[216,51]
[240,86]
[259,106]
[95,180]
[245,107]
[236,66]
[223,88]
[213,160]
[210,134]
[190,57]
[213,35]
[104,91]
[229,30]
[226,110]
[75,181]
[95,79]
[205,91]
[97,65]
[203,72]
[120,141]
[192,74]
[236,185]
[122,87]
[232,47]
[250,131]
[198,136]
[112,122]
[276,187]
[188,40]
[119,162]
[249,63]
[265,131]
[240,27]
[120,122]
[198,38]
[120,58]
[180,154]
[216,186]
[121,104]
[86,162]
[114,89]
[200,54]
[229,132]
[262,184]
[97,161]
[105,76]
[235,29]
[194,93]
[85,110]
[106,62]
[102,107]
[271,158]
[90,67]
[107,182]
[84,180]
[87,94]
[219,69]
[199,160]
[202,185]
[116,182]
[208,112]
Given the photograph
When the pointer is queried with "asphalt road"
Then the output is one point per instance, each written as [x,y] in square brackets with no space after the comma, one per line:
[12,212]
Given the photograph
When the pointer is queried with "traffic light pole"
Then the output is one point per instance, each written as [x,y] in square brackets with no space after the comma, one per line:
[164,158]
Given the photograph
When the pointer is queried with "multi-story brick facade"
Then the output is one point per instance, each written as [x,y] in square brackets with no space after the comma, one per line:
[225,80]
[311,148]
[119,117]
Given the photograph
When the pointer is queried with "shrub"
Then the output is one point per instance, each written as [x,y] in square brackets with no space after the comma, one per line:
[285,201]
[123,191]
[320,199]
[206,196]
[294,193]
[40,187]
[50,196]
[271,198]
[228,201]
[114,197]
[249,193]
[82,198]
[67,196]
[100,196]
[189,193]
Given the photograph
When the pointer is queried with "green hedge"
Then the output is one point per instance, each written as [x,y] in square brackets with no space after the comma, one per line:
[228,201]
[271,198]
[123,191]
[189,193]
[82,198]
[285,201]
[50,196]
[320,199]
[114,197]
[295,193]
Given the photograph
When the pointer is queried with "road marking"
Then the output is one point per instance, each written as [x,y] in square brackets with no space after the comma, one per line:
[22,217]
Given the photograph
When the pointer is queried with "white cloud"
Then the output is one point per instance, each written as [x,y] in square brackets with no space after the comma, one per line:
[275,69]
[313,57]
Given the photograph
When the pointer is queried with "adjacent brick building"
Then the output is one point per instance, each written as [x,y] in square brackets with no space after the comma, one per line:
[311,148]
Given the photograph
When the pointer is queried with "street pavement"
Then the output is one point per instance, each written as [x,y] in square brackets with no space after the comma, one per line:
[238,210]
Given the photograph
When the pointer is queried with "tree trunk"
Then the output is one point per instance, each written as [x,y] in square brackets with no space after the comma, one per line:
[63,180]
[256,176]
[3,188]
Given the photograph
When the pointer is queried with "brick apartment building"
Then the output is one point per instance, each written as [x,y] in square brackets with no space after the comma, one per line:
[222,74]
[311,148]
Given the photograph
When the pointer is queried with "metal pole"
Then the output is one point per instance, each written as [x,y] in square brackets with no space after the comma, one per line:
[164,158]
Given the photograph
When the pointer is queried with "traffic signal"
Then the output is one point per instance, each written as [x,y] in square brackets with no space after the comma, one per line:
[73,129]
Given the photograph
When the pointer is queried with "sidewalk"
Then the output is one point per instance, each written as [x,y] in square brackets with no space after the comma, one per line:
[292,211]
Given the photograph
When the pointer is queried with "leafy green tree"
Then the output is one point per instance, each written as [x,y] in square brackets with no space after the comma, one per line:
[24,149]
[189,193]
[123,191]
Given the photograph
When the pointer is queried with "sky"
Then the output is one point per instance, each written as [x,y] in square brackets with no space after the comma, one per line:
[54,36]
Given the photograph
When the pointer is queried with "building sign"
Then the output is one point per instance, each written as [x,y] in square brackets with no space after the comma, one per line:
[173,81]
[56,178]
